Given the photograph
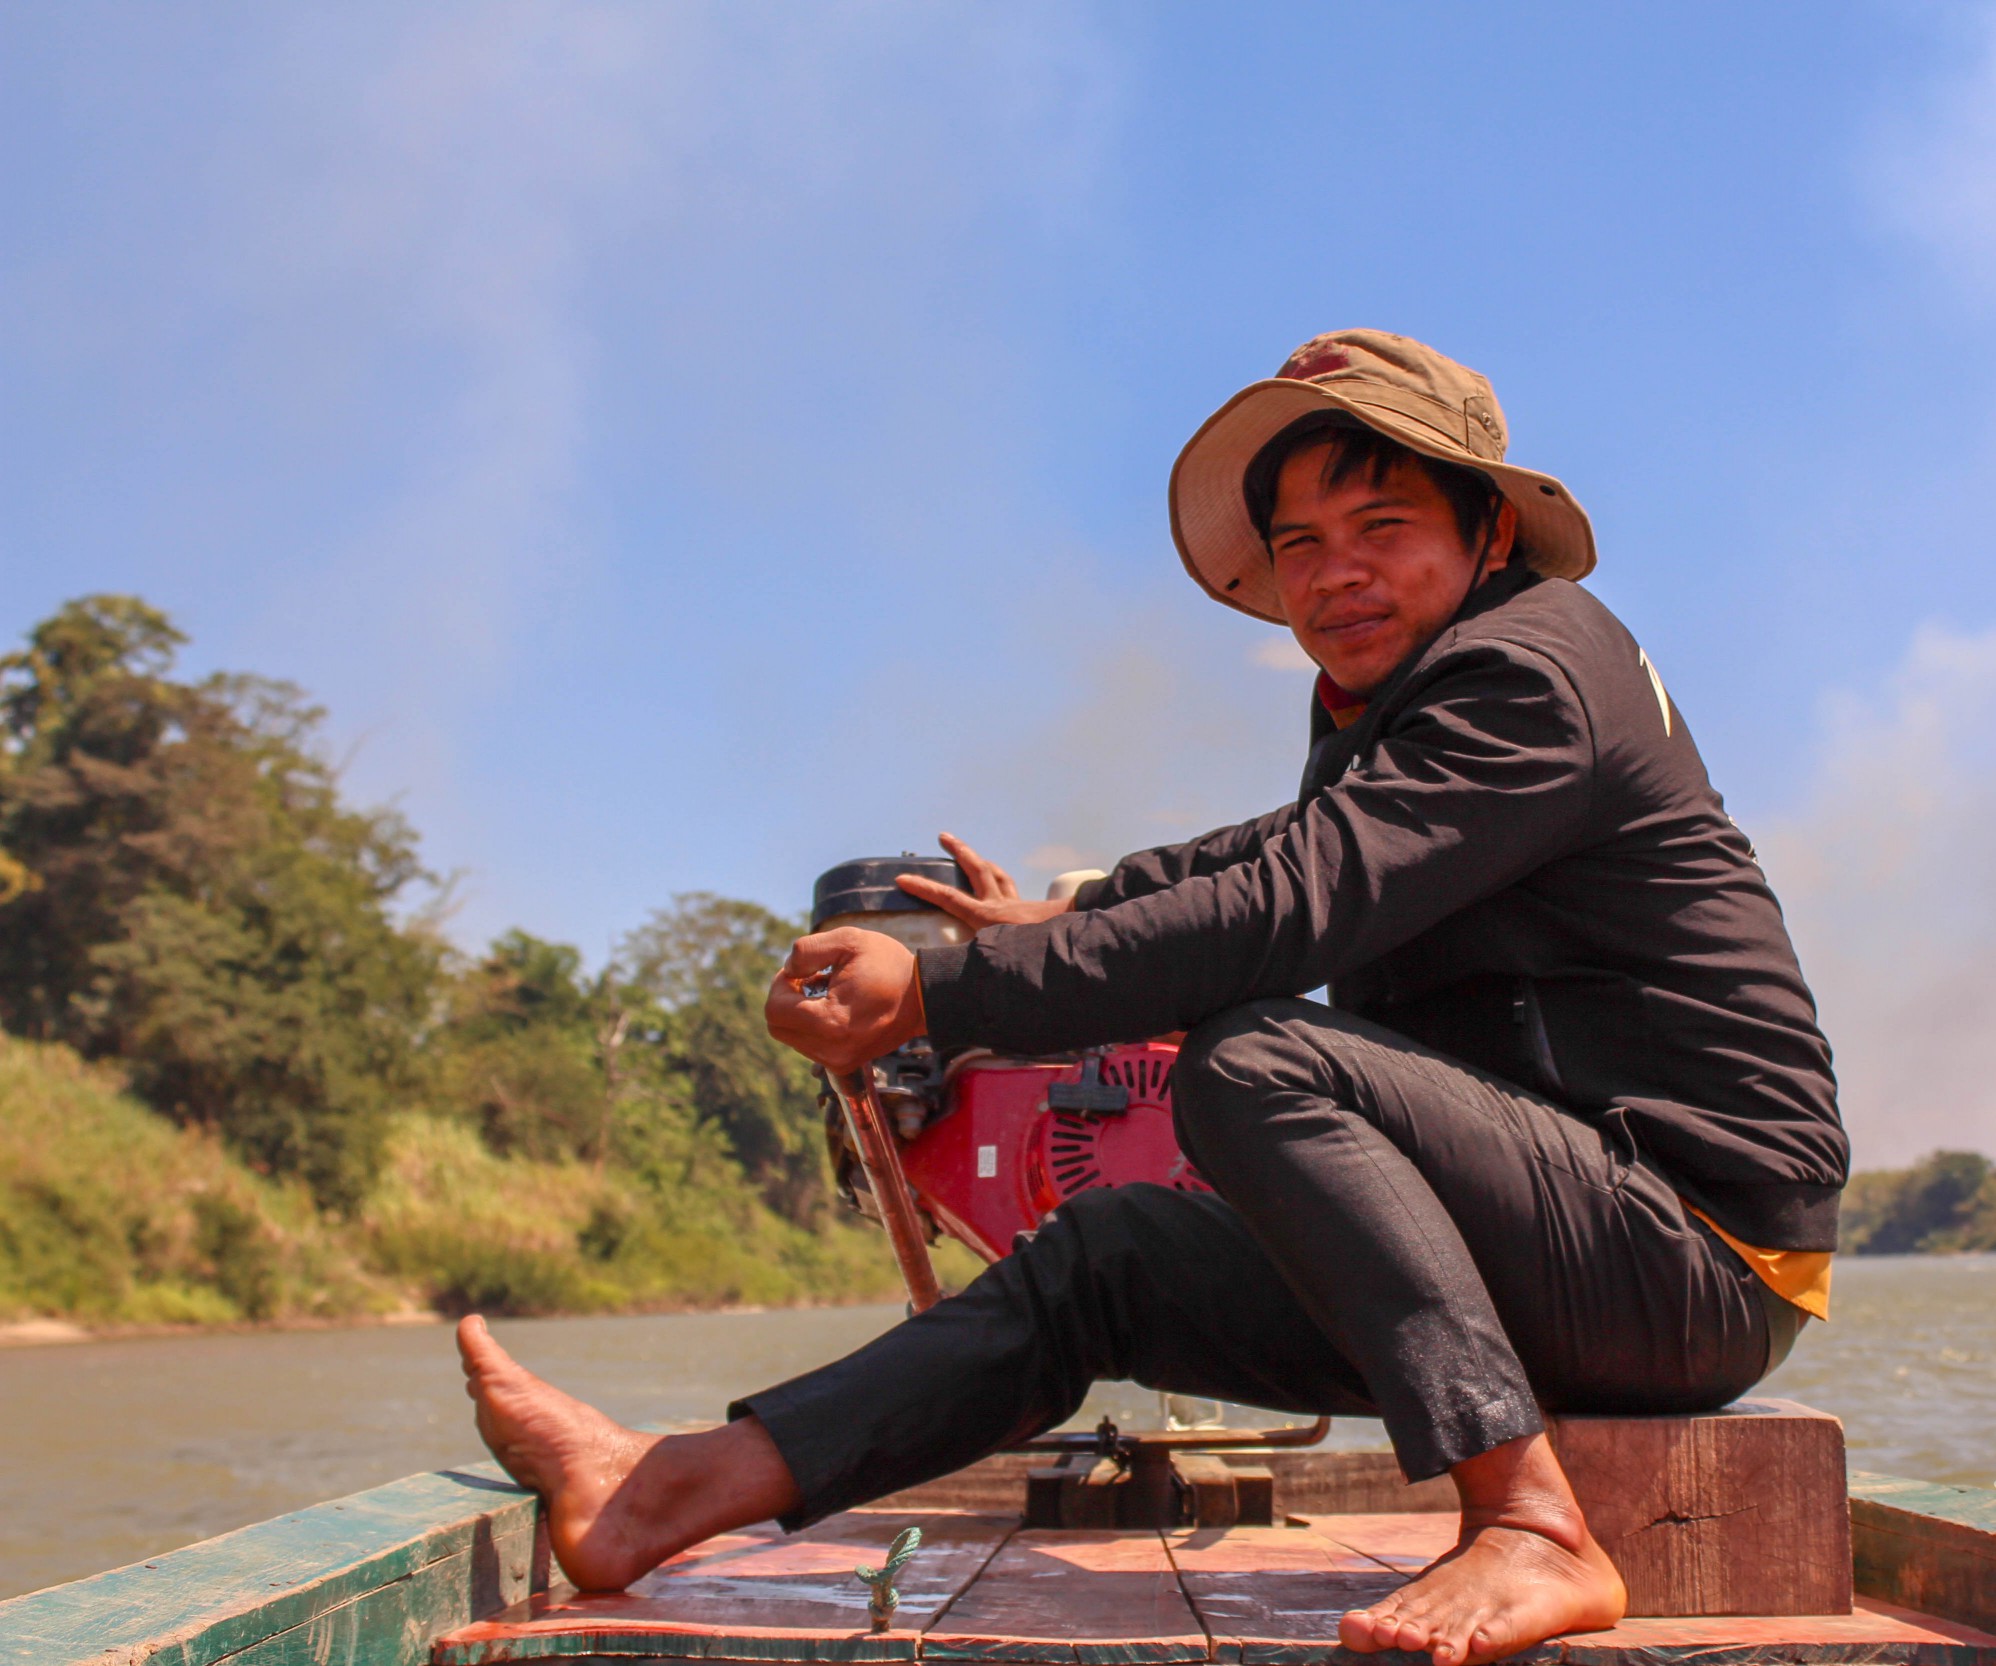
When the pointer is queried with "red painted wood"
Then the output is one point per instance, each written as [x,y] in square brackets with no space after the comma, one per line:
[1871,1632]
[1095,1598]
[1272,1597]
[1403,1543]
[1259,1589]
[1231,1550]
[753,1596]
[1245,1596]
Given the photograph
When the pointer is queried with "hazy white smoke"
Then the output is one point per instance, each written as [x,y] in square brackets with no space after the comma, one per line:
[1172,723]
[1888,873]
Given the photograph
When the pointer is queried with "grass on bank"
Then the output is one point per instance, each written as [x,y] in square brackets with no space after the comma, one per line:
[467,1230]
[111,1215]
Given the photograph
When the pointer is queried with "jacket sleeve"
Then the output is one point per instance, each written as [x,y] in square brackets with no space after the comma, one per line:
[1160,869]
[1485,773]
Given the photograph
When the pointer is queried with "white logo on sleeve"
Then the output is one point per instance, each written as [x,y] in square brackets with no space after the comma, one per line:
[1656,683]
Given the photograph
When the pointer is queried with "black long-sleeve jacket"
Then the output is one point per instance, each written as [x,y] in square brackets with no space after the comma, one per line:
[1515,856]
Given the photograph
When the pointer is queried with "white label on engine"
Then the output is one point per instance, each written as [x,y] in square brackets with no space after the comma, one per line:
[987,1162]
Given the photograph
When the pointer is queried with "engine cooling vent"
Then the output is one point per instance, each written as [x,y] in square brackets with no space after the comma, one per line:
[1080,1150]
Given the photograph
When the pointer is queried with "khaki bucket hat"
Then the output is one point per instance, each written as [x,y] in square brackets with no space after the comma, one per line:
[1412,393]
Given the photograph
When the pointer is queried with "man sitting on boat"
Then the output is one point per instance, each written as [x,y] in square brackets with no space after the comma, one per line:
[1565,1137]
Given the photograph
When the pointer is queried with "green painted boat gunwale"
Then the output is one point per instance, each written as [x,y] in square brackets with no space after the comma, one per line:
[1926,1545]
[432,1551]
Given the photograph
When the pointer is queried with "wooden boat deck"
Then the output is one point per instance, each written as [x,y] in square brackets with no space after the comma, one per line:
[983,1588]
[454,1567]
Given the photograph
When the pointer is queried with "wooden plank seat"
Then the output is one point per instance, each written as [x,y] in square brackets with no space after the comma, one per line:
[991,1590]
[1737,1511]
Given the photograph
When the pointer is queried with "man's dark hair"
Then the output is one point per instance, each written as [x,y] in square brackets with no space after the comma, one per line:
[1357,449]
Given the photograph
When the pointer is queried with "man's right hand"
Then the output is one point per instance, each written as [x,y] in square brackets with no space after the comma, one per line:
[992,900]
[866,998]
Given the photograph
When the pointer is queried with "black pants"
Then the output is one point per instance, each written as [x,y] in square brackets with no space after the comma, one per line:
[1395,1235]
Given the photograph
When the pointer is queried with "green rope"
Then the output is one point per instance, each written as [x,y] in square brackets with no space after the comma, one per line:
[885,1598]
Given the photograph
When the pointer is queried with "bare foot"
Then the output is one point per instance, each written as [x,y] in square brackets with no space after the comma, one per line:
[619,1502]
[1500,1590]
[1525,1568]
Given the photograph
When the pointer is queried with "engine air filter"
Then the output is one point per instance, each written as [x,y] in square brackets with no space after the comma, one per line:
[866,885]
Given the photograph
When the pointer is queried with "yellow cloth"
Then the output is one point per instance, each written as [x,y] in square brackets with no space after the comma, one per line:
[1798,1276]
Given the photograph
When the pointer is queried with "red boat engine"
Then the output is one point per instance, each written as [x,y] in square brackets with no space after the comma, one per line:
[991,1144]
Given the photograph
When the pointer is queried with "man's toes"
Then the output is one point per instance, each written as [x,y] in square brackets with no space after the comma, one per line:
[478,1349]
[1450,1650]
[486,1364]
[1363,1629]
[1411,1636]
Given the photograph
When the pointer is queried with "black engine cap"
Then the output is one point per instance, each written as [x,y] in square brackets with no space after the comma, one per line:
[866,885]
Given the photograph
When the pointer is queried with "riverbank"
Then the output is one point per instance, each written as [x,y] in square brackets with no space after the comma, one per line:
[46,1333]
[43,1333]
[116,1222]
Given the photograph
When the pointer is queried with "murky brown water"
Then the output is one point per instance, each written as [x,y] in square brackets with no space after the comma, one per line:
[114,1451]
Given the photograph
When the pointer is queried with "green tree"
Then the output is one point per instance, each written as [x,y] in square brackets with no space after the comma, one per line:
[531,1051]
[1977,1230]
[85,711]
[707,962]
[199,902]
[1946,1201]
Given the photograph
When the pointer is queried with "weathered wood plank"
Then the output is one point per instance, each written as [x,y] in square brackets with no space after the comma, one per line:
[1926,1547]
[1403,1543]
[391,1626]
[992,1486]
[1214,1495]
[1075,1598]
[1308,1482]
[751,1596]
[1268,1619]
[1872,1634]
[1269,1594]
[1254,1494]
[1090,1491]
[1738,1511]
[200,1605]
[1266,1602]
[1318,1483]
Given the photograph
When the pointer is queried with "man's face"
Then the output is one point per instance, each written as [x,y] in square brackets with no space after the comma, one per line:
[1369,572]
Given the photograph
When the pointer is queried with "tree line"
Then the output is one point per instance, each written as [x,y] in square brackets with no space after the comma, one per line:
[1943,1204]
[185,895]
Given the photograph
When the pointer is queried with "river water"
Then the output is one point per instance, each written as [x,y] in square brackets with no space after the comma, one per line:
[114,1451]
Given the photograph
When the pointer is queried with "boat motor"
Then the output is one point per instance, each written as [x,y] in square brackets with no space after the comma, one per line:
[991,1143]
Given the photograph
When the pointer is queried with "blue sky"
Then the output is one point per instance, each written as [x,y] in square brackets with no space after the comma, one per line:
[684,445]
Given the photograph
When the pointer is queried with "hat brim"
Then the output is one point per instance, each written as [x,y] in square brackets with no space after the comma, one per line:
[1222,550]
